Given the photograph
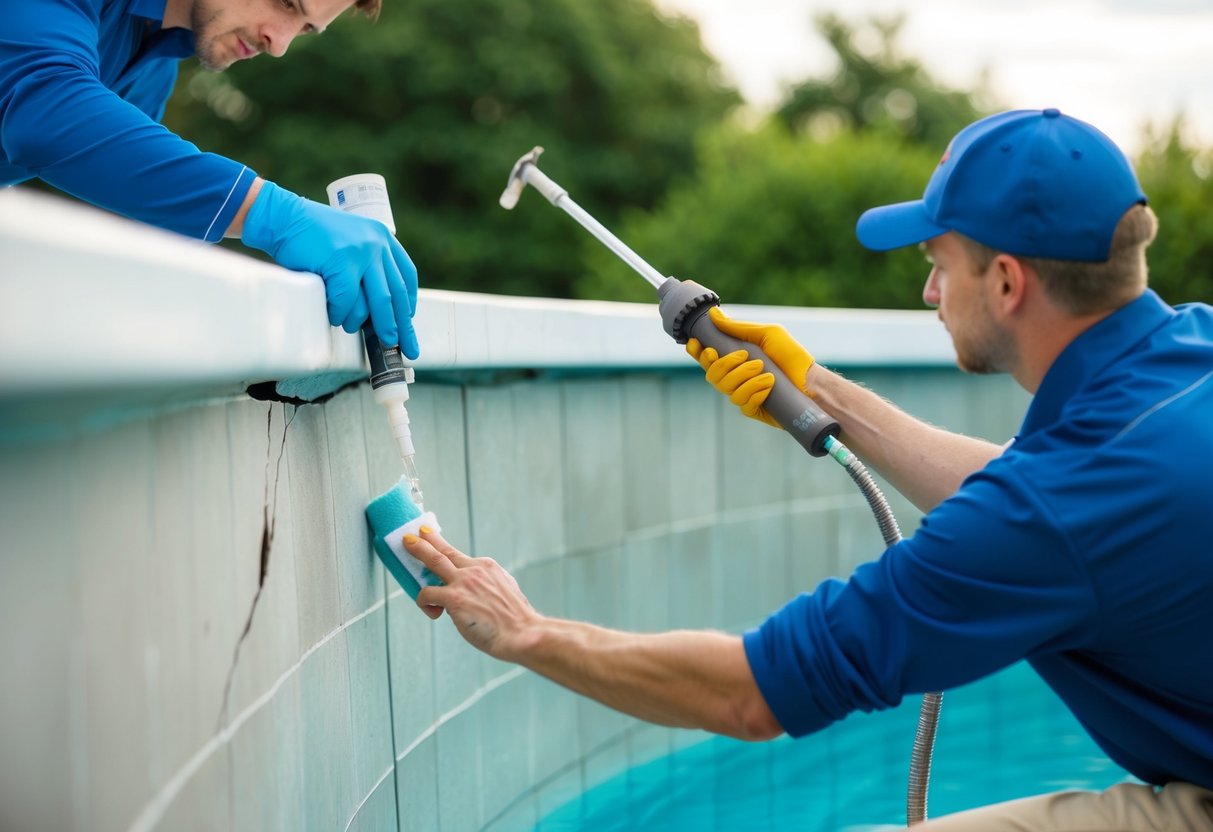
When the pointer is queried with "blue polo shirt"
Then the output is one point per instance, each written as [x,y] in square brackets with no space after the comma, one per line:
[83,84]
[1085,548]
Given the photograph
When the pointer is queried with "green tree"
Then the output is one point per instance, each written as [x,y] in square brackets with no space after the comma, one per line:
[876,87]
[1178,179]
[771,220]
[442,96]
[771,216]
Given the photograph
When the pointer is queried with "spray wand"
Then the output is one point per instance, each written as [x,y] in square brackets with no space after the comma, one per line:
[684,305]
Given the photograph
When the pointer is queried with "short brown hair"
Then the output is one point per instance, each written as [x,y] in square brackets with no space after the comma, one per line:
[370,8]
[1082,288]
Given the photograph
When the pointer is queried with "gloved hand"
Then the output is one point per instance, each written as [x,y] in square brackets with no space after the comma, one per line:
[741,378]
[364,268]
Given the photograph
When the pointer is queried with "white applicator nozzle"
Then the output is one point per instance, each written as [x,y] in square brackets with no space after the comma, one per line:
[393,395]
[390,381]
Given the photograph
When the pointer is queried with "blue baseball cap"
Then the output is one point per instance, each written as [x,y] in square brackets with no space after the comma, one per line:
[1034,183]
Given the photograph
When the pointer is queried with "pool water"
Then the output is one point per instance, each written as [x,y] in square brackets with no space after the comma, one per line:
[1003,737]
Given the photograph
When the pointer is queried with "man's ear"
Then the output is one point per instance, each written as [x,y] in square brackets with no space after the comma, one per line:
[1007,284]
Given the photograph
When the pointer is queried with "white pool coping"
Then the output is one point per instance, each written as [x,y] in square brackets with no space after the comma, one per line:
[89,300]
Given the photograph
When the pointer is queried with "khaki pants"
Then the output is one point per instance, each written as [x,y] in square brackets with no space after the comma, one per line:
[1126,807]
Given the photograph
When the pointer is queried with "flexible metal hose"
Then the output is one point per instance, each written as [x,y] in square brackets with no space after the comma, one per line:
[928,713]
[920,757]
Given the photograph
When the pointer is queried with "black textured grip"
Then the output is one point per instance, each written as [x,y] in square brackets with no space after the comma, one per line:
[689,312]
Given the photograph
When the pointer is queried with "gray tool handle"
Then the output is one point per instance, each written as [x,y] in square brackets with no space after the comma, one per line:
[684,312]
[788,405]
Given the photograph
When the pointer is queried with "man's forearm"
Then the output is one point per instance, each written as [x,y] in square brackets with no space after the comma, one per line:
[63,125]
[685,679]
[925,463]
[689,679]
[237,225]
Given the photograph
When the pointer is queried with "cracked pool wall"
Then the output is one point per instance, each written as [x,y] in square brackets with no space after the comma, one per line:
[131,552]
[269,513]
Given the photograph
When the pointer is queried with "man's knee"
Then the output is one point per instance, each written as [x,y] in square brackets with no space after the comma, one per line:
[1125,807]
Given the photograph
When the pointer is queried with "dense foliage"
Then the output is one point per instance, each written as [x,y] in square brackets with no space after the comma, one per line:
[875,87]
[1179,182]
[442,96]
[770,216]
[771,219]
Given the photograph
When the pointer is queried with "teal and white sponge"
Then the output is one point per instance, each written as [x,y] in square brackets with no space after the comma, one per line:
[392,515]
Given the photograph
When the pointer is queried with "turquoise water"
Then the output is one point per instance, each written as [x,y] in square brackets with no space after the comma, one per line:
[1004,737]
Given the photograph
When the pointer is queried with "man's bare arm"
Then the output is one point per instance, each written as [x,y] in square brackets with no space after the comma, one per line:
[925,463]
[686,679]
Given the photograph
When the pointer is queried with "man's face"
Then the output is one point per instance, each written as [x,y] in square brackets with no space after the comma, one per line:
[959,294]
[226,31]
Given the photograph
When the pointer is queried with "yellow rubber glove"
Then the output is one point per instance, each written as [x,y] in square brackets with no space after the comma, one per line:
[741,378]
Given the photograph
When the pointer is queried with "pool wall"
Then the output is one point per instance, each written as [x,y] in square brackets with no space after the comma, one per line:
[194,632]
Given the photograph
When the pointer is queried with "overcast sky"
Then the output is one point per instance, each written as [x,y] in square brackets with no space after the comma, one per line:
[1114,63]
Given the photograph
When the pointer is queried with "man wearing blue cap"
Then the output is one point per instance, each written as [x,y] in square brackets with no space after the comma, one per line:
[1083,546]
[83,86]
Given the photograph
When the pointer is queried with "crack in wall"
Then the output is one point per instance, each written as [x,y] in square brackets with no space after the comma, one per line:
[269,517]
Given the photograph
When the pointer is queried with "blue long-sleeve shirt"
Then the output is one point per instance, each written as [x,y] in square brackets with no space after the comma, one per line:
[83,84]
[1086,548]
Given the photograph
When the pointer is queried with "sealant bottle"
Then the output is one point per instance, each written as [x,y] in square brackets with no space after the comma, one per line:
[366,194]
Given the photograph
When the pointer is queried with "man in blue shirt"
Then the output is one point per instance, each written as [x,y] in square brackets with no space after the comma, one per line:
[1084,546]
[83,86]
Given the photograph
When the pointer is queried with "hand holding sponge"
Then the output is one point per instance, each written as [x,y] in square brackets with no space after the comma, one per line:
[392,515]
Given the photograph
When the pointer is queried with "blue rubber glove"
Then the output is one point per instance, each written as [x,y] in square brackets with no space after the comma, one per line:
[366,272]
